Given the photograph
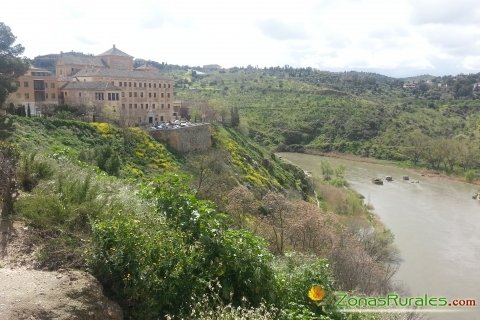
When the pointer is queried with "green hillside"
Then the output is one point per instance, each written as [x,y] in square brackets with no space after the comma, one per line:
[229,225]
[359,113]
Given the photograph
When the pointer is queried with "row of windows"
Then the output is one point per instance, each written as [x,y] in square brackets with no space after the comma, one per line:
[111,96]
[124,84]
[135,106]
[135,94]
[27,96]
[26,84]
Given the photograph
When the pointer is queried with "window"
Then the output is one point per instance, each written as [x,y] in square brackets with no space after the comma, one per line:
[146,106]
[117,96]
[134,94]
[129,84]
[99,96]
[46,95]
[123,94]
[154,85]
[154,94]
[169,85]
[149,85]
[135,84]
[168,94]
[123,105]
[164,85]
[130,106]
[46,84]
[130,94]
[141,106]
[120,83]
[66,93]
[109,96]
[25,84]
[153,106]
[135,105]
[17,84]
[124,84]
[53,95]
[27,96]
[52,85]
[162,105]
[168,106]
[162,94]
[149,94]
[79,94]
[141,94]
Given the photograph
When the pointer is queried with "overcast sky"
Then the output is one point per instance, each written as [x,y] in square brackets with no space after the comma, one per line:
[392,37]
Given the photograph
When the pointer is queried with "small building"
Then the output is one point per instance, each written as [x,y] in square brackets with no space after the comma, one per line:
[36,88]
[410,85]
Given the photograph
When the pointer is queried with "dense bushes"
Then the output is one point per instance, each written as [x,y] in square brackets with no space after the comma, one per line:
[154,263]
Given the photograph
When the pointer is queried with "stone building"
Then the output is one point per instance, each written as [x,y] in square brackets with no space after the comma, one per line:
[107,85]
[35,88]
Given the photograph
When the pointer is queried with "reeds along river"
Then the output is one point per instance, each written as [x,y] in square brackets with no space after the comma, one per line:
[436,224]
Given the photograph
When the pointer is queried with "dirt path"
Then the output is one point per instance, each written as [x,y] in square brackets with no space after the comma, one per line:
[33,294]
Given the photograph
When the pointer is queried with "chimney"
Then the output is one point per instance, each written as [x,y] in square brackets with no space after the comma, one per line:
[113,46]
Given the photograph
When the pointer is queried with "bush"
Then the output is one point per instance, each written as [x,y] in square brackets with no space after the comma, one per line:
[470,176]
[296,275]
[152,264]
[32,170]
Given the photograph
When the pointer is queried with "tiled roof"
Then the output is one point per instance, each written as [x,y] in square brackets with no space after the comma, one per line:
[80,59]
[115,52]
[91,85]
[118,73]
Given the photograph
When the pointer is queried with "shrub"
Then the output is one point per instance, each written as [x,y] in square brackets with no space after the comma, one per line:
[32,170]
[153,263]
[470,176]
[296,274]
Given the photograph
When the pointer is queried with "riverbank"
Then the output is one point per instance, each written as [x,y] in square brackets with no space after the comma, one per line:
[434,223]
[425,172]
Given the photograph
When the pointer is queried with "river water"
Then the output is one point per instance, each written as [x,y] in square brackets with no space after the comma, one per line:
[436,224]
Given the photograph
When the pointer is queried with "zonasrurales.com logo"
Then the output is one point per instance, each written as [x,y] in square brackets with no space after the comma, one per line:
[346,301]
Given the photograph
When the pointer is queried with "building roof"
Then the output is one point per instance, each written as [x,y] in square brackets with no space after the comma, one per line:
[80,59]
[118,73]
[115,52]
[91,85]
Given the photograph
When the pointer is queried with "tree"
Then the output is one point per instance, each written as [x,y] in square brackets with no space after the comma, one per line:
[8,171]
[11,65]
[234,117]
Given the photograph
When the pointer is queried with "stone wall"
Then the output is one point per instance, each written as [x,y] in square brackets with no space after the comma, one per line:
[186,139]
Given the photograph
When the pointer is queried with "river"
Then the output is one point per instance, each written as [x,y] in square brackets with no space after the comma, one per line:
[436,224]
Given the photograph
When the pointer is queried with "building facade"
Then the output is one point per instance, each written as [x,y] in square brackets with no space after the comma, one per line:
[107,85]
[37,87]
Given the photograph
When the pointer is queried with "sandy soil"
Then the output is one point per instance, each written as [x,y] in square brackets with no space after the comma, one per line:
[32,294]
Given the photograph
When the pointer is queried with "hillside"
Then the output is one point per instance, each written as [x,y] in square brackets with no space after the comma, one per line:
[359,113]
[120,205]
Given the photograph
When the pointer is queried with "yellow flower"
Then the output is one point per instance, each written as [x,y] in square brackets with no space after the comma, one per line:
[316,293]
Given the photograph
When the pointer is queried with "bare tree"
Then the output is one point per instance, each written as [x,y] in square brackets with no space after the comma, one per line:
[8,186]
[279,211]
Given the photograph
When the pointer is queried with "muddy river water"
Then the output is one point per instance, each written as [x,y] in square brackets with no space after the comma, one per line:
[436,224]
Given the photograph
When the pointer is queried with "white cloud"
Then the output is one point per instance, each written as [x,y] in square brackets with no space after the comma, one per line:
[400,37]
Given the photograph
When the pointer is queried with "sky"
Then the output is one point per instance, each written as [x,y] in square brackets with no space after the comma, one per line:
[398,38]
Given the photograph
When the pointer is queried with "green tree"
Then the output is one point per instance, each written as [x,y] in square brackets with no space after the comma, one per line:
[234,117]
[11,65]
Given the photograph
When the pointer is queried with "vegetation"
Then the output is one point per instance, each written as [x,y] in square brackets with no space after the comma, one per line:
[11,65]
[297,109]
[155,241]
